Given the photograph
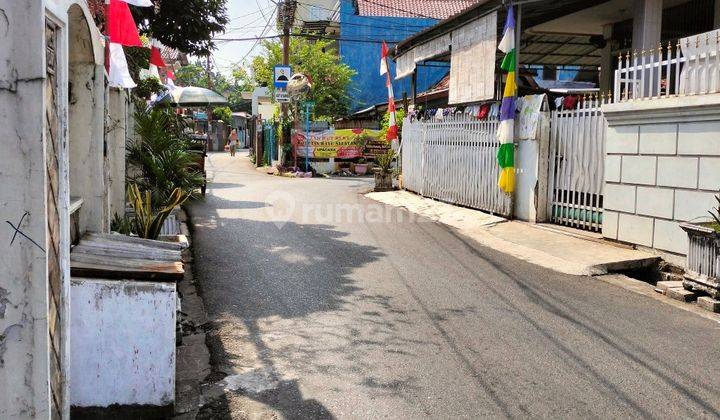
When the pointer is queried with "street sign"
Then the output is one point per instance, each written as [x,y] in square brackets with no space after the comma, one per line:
[281,76]
[281,95]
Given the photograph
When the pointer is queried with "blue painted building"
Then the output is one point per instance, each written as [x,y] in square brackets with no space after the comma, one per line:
[364,24]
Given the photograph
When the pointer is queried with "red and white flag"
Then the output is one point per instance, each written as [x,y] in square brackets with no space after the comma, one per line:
[121,31]
[121,26]
[392,133]
[156,53]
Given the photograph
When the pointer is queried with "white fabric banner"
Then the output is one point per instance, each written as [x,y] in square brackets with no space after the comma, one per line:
[119,73]
[472,63]
[141,3]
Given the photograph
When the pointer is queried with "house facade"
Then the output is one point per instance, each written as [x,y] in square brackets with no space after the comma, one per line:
[364,24]
[634,153]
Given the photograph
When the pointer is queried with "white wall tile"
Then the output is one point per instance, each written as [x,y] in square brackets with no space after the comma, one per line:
[677,172]
[635,229]
[619,197]
[612,168]
[622,139]
[709,174]
[639,169]
[693,205]
[700,138]
[669,237]
[658,202]
[659,139]
[610,224]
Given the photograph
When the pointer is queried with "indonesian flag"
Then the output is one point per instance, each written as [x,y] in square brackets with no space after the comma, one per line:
[121,25]
[156,53]
[392,133]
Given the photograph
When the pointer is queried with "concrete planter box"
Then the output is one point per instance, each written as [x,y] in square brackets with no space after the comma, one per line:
[703,259]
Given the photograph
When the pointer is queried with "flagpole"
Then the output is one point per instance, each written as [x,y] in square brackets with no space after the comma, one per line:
[518,39]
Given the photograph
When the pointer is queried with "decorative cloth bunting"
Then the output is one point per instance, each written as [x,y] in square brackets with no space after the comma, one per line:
[506,131]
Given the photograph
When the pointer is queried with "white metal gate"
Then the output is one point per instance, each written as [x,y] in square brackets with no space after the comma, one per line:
[454,160]
[576,177]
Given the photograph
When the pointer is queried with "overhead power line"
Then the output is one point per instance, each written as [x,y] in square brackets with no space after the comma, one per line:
[310,36]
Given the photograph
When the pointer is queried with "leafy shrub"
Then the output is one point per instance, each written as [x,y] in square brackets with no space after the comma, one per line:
[159,158]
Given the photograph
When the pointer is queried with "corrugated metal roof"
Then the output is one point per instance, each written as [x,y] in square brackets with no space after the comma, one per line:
[436,9]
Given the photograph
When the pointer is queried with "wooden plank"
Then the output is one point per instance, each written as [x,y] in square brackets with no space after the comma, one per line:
[134,240]
[134,263]
[126,251]
[88,270]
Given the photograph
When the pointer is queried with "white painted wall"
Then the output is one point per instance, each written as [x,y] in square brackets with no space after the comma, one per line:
[23,282]
[123,347]
[662,168]
[24,347]
[117,133]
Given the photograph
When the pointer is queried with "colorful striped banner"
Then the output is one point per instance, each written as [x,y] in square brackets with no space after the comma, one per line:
[506,131]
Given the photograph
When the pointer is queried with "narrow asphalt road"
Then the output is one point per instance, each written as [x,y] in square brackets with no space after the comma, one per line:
[328,305]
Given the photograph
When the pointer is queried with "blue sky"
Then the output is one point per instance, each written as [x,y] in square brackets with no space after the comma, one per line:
[247,19]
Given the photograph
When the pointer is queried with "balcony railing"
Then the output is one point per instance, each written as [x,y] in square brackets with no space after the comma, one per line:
[689,67]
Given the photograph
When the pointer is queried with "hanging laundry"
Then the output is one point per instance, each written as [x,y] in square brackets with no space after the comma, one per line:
[570,102]
[483,112]
[529,116]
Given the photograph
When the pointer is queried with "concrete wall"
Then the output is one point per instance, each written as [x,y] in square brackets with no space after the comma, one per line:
[123,347]
[24,341]
[23,282]
[662,168]
[368,87]
[117,134]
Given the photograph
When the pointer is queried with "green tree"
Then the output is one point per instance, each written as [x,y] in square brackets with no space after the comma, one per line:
[316,59]
[186,25]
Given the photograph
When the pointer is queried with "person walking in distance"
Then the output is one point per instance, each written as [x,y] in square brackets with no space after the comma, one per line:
[233,140]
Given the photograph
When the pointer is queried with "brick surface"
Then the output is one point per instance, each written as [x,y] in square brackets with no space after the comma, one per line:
[639,169]
[612,168]
[677,172]
[681,295]
[700,138]
[709,304]
[610,224]
[619,197]
[669,237]
[692,205]
[657,202]
[635,229]
[709,174]
[660,139]
[622,139]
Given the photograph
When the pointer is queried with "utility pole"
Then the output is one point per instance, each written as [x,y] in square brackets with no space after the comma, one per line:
[286,17]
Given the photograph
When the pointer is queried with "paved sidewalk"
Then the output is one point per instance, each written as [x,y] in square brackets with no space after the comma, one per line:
[555,250]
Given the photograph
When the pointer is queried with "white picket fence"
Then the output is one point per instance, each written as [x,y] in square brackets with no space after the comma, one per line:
[576,175]
[454,160]
[689,67]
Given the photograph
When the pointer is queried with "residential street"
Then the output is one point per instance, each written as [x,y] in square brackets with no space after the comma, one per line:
[352,309]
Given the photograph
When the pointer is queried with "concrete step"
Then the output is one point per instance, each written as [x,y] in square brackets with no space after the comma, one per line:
[664,286]
[681,294]
[709,304]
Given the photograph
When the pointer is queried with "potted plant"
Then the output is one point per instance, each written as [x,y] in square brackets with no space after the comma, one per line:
[383,171]
[361,167]
[703,259]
